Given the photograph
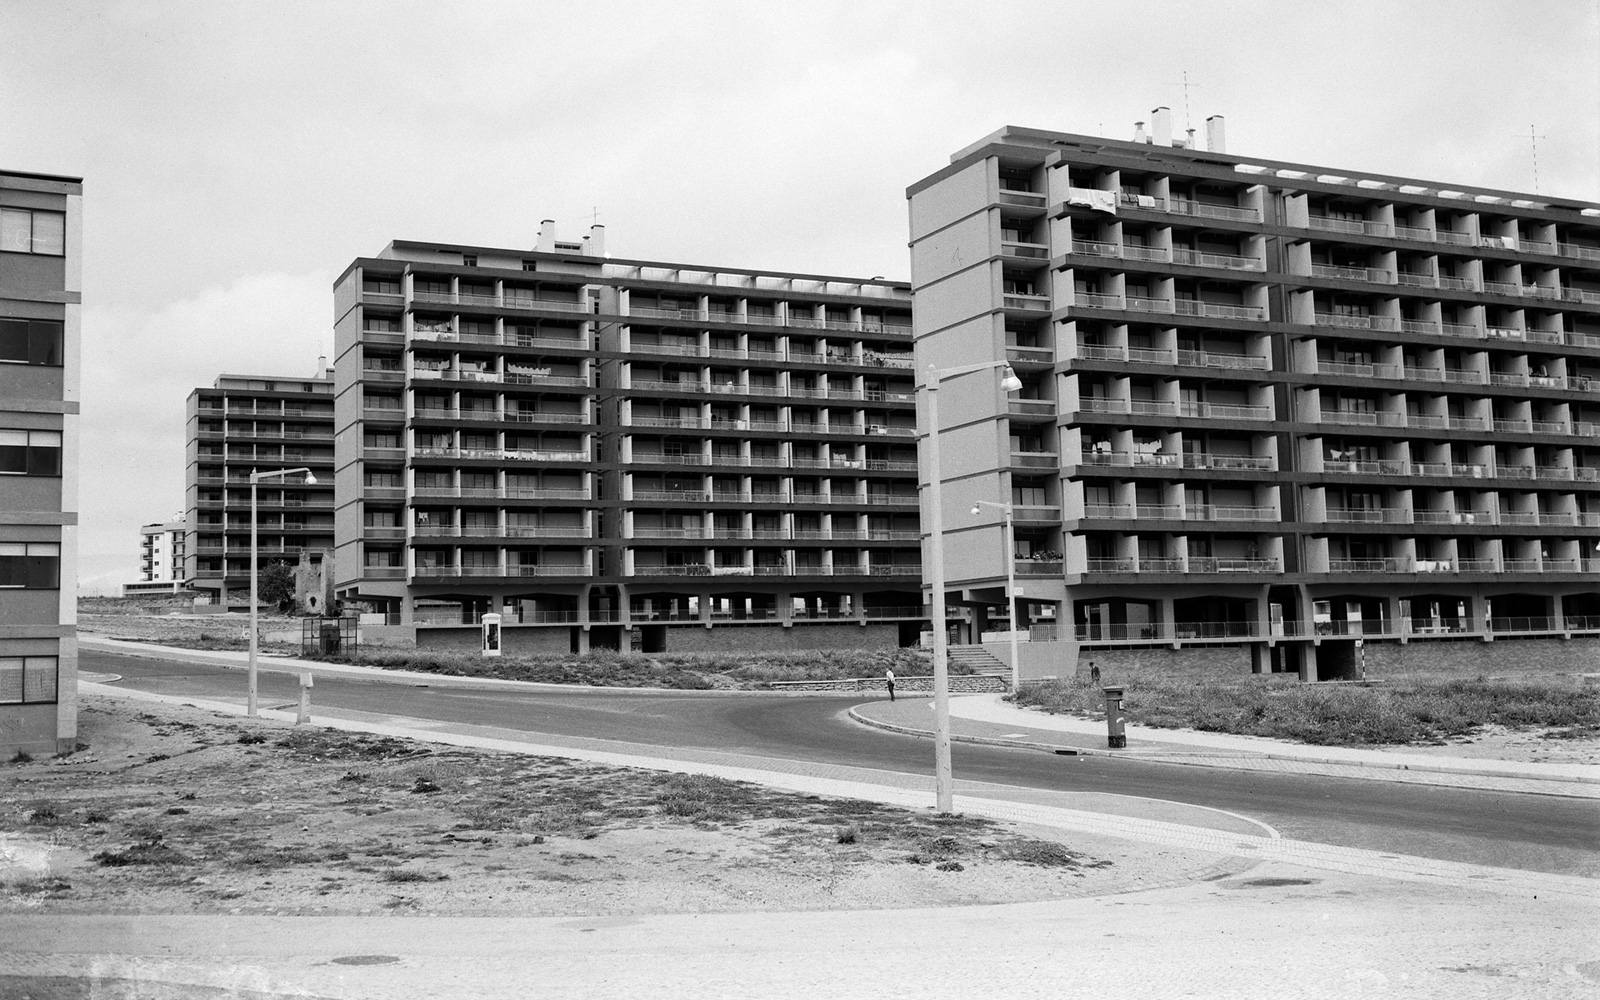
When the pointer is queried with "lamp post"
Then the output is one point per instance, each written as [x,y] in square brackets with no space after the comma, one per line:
[256,477]
[1011,582]
[943,783]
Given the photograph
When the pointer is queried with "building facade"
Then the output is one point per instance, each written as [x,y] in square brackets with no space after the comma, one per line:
[40,302]
[625,454]
[161,564]
[256,423]
[1264,402]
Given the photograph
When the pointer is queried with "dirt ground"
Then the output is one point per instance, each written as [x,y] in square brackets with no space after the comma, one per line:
[171,809]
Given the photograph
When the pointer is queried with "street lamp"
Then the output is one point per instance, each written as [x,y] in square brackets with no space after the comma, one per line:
[256,477]
[943,784]
[1011,582]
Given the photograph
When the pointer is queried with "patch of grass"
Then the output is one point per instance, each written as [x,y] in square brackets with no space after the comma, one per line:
[846,835]
[703,800]
[147,850]
[22,757]
[1041,853]
[1409,710]
[685,671]
[410,875]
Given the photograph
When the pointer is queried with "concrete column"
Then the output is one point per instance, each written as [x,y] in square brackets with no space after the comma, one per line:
[1308,661]
[1259,661]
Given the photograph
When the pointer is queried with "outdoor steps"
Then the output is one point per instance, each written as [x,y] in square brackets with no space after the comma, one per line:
[978,660]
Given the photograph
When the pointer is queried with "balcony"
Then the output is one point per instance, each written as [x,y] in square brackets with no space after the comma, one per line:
[1367,515]
[1234,362]
[1368,566]
[1210,512]
[1024,251]
[1354,322]
[1223,411]
[1209,564]
[1026,302]
[1039,567]
[1201,210]
[1096,300]
[1022,199]
[1197,259]
[1365,274]
[1354,227]
[1217,310]
[1226,463]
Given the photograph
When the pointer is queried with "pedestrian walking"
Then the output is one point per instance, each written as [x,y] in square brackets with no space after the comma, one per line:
[888,676]
[1094,673]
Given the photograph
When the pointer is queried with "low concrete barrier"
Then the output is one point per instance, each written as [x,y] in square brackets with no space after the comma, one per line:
[959,684]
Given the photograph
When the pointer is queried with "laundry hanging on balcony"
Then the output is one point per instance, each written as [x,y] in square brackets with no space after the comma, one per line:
[1093,198]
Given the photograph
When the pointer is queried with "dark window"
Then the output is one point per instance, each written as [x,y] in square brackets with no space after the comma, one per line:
[25,230]
[28,680]
[30,341]
[30,453]
[30,565]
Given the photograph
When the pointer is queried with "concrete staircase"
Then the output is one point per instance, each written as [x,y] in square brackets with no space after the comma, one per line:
[977,660]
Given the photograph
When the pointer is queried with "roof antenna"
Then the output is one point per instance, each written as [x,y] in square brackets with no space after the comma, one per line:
[1533,140]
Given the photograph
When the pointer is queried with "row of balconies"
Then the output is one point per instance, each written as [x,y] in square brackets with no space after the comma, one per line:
[885,396]
[502,377]
[1167,255]
[1377,566]
[771,462]
[636,346]
[1392,629]
[1337,515]
[777,497]
[502,415]
[233,431]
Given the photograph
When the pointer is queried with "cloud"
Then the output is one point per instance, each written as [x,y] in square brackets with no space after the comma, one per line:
[139,367]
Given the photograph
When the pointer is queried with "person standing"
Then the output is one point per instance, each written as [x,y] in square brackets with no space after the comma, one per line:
[888,676]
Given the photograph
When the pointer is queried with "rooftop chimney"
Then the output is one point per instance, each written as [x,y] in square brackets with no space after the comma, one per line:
[1138,132]
[597,240]
[1161,126]
[1216,135]
[547,236]
[322,366]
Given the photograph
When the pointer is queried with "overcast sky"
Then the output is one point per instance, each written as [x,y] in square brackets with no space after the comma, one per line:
[237,156]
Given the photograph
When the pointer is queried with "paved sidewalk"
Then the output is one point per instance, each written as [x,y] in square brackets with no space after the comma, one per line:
[987,718]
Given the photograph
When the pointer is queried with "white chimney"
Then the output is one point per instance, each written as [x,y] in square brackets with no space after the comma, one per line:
[1138,132]
[597,240]
[1161,126]
[1216,135]
[322,366]
[547,236]
[1189,142]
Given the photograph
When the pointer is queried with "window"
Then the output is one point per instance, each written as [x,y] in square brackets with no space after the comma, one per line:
[28,680]
[30,453]
[469,260]
[30,341]
[27,230]
[30,565]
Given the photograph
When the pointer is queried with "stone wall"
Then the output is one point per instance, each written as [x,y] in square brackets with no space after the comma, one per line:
[513,639]
[1580,655]
[770,637]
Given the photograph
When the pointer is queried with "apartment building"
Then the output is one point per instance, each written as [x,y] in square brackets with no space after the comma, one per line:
[161,563]
[246,424]
[624,453]
[40,304]
[1266,402]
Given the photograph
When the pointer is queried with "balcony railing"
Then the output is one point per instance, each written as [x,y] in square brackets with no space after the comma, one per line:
[1354,322]
[1228,261]
[1242,362]
[1217,310]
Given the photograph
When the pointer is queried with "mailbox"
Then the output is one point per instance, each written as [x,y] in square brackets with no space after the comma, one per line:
[1116,736]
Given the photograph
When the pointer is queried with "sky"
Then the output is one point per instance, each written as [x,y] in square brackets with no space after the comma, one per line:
[238,156]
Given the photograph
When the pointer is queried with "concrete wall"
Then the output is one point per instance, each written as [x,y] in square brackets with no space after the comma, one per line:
[958,684]
[1039,659]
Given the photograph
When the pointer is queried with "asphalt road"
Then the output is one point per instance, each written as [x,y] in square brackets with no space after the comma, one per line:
[1537,833]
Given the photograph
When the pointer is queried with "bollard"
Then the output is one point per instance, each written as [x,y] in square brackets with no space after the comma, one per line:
[305,699]
[1116,739]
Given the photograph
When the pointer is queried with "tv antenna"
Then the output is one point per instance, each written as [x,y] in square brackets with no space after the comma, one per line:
[1533,143]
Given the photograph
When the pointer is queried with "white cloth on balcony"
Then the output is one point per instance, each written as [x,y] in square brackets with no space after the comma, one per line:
[1147,201]
[1093,198]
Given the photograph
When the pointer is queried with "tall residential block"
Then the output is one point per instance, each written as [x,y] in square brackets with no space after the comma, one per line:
[1265,403]
[161,562]
[624,453]
[256,423]
[40,300]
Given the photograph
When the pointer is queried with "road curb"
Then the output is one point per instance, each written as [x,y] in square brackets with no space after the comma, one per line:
[1192,759]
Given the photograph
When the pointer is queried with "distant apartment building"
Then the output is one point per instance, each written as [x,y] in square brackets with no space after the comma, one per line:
[1262,402]
[625,453]
[40,303]
[256,423]
[161,562]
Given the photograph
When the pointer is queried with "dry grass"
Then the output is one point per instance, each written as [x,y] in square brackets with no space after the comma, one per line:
[171,809]
[1420,707]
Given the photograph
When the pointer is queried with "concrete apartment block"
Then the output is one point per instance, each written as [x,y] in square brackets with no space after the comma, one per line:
[1266,403]
[41,226]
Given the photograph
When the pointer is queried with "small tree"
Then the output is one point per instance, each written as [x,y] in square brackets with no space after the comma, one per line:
[275,584]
